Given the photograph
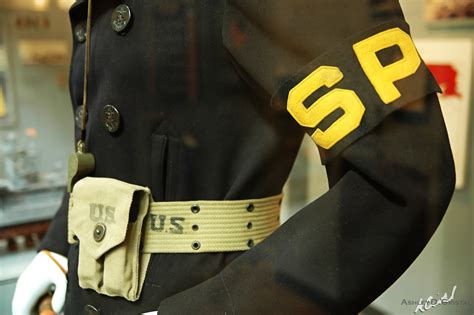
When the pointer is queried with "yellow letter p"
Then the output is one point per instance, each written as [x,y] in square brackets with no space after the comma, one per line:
[383,77]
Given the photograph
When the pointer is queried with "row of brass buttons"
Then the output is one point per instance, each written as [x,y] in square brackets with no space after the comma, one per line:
[120,20]
[110,118]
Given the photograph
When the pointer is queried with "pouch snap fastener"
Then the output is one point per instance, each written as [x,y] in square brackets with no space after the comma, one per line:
[99,232]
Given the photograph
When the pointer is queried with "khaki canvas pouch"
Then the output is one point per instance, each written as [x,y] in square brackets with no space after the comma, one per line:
[106,217]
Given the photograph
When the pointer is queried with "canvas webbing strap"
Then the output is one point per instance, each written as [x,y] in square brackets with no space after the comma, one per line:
[210,226]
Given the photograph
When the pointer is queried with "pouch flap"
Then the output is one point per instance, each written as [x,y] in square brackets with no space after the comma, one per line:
[99,212]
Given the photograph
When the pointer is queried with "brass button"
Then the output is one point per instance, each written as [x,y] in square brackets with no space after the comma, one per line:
[91,310]
[80,32]
[99,232]
[110,118]
[78,116]
[121,17]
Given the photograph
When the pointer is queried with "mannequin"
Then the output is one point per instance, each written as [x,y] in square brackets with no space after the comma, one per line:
[209,102]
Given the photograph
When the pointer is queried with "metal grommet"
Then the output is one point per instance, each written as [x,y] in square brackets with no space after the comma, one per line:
[250,207]
[195,208]
[99,232]
[195,227]
[250,243]
[249,225]
[196,245]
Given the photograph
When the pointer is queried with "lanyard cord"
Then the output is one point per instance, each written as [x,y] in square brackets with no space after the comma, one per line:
[81,143]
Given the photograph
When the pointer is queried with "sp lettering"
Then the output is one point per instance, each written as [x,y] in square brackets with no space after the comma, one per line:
[381,77]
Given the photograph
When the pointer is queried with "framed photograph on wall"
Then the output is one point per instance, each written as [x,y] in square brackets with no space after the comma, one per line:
[449,13]
[7,97]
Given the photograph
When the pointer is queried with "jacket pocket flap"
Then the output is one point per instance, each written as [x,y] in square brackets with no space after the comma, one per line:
[99,213]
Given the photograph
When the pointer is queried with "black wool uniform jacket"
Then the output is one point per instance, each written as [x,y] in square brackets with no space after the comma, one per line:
[214,99]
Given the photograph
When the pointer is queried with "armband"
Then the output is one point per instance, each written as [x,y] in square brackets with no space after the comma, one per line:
[349,90]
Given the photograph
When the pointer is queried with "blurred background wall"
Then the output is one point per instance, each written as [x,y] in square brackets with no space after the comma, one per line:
[41,91]
[35,126]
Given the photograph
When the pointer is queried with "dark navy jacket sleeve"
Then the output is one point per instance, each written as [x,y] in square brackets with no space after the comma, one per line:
[390,180]
[55,239]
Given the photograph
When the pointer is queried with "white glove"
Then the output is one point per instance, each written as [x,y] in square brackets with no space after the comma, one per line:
[41,275]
